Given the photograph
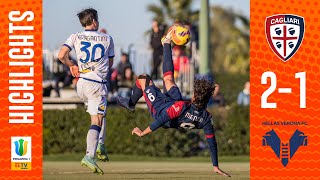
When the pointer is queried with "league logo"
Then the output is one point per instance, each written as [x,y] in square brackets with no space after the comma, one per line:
[284,151]
[21,153]
[284,34]
[21,147]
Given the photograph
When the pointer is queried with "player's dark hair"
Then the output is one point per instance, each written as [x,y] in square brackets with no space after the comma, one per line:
[203,90]
[87,16]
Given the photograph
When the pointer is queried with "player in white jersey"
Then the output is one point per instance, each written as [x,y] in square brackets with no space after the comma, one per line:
[95,52]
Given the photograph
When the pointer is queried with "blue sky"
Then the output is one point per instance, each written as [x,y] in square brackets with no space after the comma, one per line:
[125,20]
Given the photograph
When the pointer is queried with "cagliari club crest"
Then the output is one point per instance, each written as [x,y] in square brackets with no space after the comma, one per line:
[284,34]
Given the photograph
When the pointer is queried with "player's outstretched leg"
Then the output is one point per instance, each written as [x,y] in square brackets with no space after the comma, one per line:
[137,92]
[101,152]
[130,103]
[167,66]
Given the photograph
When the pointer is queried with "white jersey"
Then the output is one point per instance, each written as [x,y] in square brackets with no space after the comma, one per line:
[93,50]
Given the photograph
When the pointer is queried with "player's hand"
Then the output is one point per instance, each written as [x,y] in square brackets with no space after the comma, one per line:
[74,70]
[137,131]
[217,170]
[167,38]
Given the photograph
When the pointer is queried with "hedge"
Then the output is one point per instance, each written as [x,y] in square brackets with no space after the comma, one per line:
[65,132]
[231,85]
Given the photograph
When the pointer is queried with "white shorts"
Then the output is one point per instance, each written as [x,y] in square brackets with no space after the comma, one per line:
[94,96]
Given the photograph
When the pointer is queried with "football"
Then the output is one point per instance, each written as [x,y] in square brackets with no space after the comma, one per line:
[181,35]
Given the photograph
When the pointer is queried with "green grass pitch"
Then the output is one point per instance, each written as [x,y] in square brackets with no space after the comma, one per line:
[67,166]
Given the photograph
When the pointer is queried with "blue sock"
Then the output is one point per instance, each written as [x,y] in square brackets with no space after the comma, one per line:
[136,94]
[167,66]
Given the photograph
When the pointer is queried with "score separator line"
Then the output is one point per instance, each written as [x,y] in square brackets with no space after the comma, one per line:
[284,90]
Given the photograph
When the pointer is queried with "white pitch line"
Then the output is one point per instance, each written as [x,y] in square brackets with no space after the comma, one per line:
[73,172]
[119,171]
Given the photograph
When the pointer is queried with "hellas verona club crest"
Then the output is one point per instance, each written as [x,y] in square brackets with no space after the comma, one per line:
[284,34]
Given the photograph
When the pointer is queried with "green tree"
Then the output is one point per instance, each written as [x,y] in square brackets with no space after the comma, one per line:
[229,41]
[169,11]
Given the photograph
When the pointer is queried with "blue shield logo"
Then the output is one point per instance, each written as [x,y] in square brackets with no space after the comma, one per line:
[284,151]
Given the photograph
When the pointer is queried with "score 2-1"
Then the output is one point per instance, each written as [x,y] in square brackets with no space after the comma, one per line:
[273,87]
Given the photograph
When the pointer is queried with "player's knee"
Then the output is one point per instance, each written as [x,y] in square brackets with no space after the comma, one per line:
[96,120]
[168,78]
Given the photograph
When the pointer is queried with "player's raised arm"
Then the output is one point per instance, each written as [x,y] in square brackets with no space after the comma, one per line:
[209,132]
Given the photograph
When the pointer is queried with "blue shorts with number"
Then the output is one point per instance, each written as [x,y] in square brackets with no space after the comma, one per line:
[158,101]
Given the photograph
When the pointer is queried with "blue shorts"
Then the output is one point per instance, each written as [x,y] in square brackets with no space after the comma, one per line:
[158,101]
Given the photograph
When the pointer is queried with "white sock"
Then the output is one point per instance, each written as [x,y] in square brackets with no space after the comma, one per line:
[102,134]
[92,140]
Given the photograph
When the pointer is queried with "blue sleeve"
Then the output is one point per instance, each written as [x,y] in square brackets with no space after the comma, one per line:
[209,132]
[213,150]
[158,122]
